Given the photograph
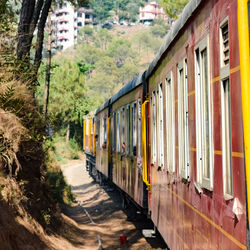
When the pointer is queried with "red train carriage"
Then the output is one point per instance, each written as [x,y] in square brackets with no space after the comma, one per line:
[179,129]
[197,198]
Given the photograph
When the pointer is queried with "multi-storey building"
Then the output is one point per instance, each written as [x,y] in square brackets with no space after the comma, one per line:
[150,11]
[66,22]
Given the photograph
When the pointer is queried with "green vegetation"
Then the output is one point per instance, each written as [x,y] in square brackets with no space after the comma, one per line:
[123,9]
[173,7]
[58,153]
[102,62]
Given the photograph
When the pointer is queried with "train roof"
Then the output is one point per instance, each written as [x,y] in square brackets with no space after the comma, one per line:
[123,91]
[104,105]
[187,12]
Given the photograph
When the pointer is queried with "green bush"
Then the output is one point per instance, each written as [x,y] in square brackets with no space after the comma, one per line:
[61,191]
[73,147]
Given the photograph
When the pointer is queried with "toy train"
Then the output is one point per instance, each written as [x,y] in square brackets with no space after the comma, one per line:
[176,139]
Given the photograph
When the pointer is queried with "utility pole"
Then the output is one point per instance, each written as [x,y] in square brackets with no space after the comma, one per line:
[48,66]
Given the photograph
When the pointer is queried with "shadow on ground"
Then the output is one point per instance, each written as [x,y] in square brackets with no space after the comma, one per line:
[103,210]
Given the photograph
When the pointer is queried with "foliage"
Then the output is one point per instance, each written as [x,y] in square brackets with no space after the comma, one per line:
[85,34]
[129,10]
[68,99]
[120,50]
[173,7]
[60,190]
[19,116]
[160,28]
[93,72]
[123,9]
[102,9]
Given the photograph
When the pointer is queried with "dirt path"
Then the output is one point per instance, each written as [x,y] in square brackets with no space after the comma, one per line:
[100,217]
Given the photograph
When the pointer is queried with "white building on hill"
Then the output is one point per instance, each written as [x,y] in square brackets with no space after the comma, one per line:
[150,11]
[66,21]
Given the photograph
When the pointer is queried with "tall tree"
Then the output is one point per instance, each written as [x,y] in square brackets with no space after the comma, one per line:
[33,16]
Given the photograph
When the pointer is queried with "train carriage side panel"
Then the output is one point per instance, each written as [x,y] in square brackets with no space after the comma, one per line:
[101,149]
[127,151]
[197,200]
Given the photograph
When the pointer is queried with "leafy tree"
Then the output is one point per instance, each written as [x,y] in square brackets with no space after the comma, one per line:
[107,65]
[102,39]
[127,72]
[101,87]
[173,7]
[119,49]
[90,54]
[133,11]
[102,9]
[160,28]
[68,99]
[86,34]
[33,16]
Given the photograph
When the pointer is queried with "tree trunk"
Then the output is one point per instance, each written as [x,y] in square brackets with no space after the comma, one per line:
[68,132]
[47,78]
[23,46]
[40,34]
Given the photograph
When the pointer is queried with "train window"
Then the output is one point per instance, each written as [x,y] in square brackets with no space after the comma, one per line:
[153,103]
[122,127]
[139,129]
[128,129]
[134,124]
[157,127]
[98,133]
[183,120]
[224,43]
[161,128]
[87,134]
[118,132]
[105,131]
[226,138]
[170,129]
[203,117]
[114,132]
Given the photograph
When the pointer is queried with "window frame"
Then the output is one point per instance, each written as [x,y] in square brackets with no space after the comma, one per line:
[139,130]
[128,128]
[183,138]
[170,122]
[105,130]
[226,120]
[134,128]
[160,126]
[201,130]
[114,132]
[153,126]
[118,132]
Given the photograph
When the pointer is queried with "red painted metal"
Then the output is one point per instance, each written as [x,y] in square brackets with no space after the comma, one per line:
[185,218]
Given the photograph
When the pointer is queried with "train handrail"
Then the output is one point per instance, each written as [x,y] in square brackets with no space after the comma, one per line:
[93,138]
[144,143]
[89,134]
[84,134]
[243,27]
[108,138]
